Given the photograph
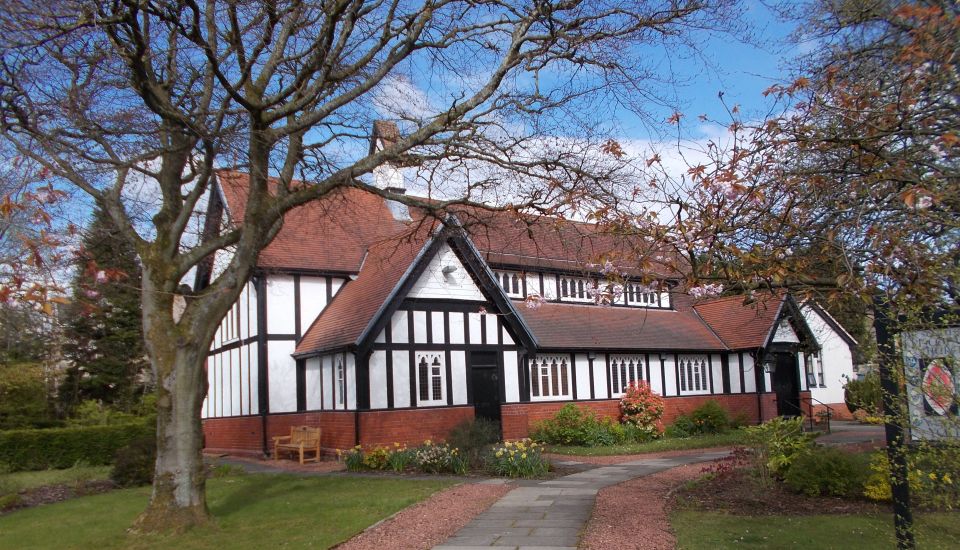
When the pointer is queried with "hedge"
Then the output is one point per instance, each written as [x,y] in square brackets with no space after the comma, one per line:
[64,447]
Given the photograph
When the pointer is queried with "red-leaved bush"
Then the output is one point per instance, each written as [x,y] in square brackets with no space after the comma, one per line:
[642,407]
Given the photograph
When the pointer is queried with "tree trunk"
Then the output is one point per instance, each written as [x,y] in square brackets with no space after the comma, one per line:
[178,501]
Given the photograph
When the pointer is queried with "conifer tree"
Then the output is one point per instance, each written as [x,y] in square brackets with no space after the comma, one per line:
[104,336]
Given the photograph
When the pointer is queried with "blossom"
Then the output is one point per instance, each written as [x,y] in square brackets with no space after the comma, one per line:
[534,301]
[101,277]
[706,291]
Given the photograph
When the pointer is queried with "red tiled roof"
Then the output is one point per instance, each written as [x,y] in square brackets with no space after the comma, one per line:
[331,234]
[593,327]
[343,321]
[739,325]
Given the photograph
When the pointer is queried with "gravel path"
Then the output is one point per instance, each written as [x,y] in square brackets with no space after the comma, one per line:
[646,526]
[430,522]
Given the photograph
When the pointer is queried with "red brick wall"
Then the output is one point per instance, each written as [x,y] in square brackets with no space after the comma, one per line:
[519,418]
[840,410]
[337,426]
[410,426]
[738,405]
[241,435]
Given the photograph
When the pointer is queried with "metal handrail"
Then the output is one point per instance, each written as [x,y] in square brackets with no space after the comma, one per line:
[828,416]
[810,402]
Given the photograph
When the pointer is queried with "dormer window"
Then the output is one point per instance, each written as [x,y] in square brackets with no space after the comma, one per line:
[511,282]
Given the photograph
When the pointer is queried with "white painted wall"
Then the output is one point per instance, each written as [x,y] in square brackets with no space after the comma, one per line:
[785,333]
[836,356]
[749,374]
[656,380]
[582,366]
[716,373]
[282,374]
[401,379]
[280,305]
[670,370]
[456,327]
[474,320]
[313,298]
[399,326]
[510,381]
[433,283]
[313,381]
[378,380]
[458,374]
[733,370]
[600,376]
[420,327]
[437,326]
[533,284]
[351,381]
[493,328]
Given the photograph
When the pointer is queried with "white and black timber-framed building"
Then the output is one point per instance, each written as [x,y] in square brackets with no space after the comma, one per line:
[380,326]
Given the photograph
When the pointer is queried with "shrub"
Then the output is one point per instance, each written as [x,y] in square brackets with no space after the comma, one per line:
[134,463]
[825,471]
[567,427]
[642,408]
[63,447]
[932,472]
[682,426]
[864,394]
[377,459]
[710,418]
[634,434]
[474,438]
[775,444]
[519,459]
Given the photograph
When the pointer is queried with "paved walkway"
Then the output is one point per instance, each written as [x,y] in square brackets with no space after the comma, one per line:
[551,514]
[846,433]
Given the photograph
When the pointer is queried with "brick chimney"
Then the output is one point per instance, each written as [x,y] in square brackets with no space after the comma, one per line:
[388,175]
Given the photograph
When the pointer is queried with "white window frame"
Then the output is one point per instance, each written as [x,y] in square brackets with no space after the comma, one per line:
[436,373]
[506,280]
[230,327]
[620,365]
[818,368]
[339,381]
[694,371]
[553,372]
[576,289]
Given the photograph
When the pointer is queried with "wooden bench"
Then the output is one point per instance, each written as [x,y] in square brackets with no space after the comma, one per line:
[301,439]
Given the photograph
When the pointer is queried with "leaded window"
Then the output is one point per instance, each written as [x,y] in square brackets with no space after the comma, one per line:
[694,374]
[550,376]
[625,370]
[430,378]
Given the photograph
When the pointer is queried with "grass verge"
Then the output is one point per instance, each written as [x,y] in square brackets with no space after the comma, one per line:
[697,530]
[734,437]
[18,481]
[251,511]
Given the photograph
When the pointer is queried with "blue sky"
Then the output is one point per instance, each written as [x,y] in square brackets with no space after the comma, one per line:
[742,70]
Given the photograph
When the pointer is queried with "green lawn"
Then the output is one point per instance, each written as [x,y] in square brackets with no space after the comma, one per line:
[18,481]
[251,511]
[734,437]
[701,530]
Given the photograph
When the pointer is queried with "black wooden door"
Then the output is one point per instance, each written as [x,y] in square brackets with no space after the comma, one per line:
[485,385]
[786,384]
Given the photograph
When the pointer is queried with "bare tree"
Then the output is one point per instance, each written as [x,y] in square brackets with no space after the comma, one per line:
[105,94]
